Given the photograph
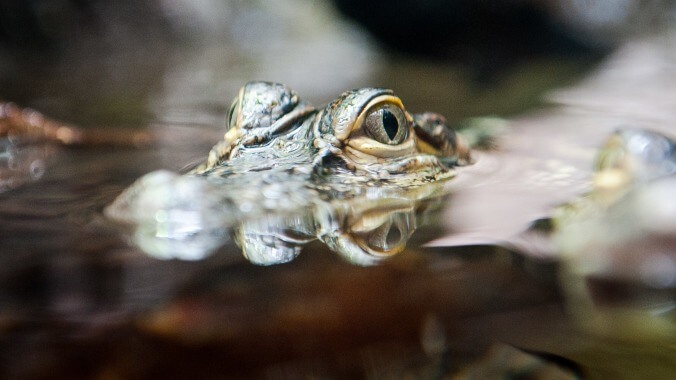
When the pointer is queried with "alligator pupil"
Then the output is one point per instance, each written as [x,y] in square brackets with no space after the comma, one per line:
[390,124]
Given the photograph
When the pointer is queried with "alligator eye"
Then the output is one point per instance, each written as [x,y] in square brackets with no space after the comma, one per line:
[386,124]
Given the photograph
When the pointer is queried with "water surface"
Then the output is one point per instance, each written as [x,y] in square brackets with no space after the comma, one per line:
[471,289]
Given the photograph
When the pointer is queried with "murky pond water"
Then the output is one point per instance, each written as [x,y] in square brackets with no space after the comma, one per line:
[480,291]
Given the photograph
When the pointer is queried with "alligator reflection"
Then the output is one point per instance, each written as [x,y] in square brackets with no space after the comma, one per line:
[363,236]
[187,217]
[618,242]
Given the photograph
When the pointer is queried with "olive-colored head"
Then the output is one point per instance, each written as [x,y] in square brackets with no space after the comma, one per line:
[366,134]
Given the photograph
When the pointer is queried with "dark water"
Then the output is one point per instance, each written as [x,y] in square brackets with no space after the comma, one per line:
[74,292]
[472,296]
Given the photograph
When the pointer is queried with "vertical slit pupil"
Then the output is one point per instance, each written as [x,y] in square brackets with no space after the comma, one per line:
[390,124]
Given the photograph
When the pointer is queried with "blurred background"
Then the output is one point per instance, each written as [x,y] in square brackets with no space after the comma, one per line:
[129,61]
[72,291]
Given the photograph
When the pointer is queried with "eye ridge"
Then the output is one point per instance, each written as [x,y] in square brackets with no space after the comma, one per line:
[390,124]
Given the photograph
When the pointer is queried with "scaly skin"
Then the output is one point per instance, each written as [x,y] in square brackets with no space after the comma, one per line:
[365,136]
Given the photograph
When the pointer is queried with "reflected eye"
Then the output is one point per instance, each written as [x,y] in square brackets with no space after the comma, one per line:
[386,238]
[387,124]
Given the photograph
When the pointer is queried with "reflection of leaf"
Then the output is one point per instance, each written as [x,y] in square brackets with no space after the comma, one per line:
[498,198]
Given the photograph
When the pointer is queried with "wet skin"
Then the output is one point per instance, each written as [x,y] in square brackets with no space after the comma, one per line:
[285,173]
[364,136]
